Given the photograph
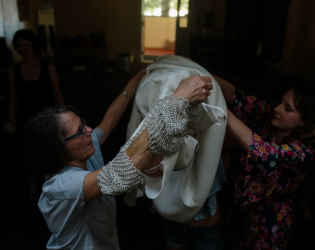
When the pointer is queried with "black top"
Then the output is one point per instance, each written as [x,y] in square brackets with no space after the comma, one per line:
[32,95]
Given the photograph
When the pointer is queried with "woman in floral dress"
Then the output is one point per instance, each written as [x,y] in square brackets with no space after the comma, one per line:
[275,149]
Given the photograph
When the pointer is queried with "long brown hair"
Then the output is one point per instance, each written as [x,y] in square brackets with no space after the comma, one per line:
[304,101]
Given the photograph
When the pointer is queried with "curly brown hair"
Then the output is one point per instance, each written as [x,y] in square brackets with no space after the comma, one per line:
[304,101]
[27,35]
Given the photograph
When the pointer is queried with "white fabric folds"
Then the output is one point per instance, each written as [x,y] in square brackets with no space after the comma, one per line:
[188,174]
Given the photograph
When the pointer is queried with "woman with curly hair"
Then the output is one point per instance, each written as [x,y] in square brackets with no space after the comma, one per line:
[274,149]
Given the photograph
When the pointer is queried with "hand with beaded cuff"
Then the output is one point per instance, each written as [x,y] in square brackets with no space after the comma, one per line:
[162,134]
[194,89]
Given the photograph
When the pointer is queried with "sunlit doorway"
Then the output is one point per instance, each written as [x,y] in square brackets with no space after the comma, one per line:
[159,22]
[46,31]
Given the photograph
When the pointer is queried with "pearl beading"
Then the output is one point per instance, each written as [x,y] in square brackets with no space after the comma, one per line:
[166,124]
[119,176]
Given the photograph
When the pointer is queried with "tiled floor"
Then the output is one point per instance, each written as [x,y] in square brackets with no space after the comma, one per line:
[157,52]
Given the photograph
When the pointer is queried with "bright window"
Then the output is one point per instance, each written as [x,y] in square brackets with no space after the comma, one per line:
[165,8]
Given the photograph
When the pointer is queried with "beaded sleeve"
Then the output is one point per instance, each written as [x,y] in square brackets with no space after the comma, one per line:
[119,176]
[166,124]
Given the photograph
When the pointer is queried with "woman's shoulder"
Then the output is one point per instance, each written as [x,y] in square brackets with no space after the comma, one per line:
[65,185]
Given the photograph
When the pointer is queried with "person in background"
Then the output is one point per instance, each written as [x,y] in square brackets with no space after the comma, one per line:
[274,152]
[34,84]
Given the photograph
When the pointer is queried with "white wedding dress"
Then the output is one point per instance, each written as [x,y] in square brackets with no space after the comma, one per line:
[188,174]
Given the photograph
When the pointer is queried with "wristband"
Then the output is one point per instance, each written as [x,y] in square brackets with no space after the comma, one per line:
[124,92]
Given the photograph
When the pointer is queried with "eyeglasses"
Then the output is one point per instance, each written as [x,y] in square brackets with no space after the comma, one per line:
[81,132]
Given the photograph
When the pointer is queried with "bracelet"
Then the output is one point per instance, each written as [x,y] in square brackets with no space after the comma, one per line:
[124,92]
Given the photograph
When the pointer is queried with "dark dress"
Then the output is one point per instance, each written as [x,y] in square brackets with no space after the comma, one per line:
[269,174]
[32,95]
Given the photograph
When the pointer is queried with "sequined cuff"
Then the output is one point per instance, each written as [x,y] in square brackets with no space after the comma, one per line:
[119,176]
[166,124]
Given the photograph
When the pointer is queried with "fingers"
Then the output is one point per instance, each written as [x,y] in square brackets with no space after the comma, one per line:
[205,84]
[195,89]
[208,82]
[202,91]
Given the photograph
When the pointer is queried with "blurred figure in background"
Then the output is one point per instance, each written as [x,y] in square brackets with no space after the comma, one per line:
[34,84]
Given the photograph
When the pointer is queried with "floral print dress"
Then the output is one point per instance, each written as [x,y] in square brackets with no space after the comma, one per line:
[269,173]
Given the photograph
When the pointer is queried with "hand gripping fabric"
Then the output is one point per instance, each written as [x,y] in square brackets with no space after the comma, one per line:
[189,173]
[166,124]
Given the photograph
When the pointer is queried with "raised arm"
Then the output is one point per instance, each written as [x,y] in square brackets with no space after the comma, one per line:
[124,171]
[239,130]
[227,88]
[12,104]
[55,84]
[119,105]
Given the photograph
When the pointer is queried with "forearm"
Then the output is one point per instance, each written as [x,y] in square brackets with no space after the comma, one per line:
[239,130]
[123,173]
[227,88]
[12,106]
[139,154]
[139,151]
[166,121]
[55,84]
[162,133]
[119,105]
[113,114]
[12,110]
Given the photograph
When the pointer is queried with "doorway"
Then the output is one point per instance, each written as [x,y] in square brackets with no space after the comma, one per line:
[46,30]
[159,26]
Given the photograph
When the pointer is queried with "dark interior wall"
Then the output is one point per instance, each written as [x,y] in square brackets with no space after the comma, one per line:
[120,20]
[255,30]
[304,60]
[299,49]
[273,24]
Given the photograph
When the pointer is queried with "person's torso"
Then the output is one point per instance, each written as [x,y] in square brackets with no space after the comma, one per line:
[287,179]
[74,223]
[32,95]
